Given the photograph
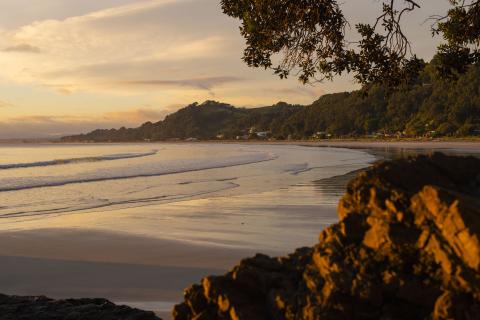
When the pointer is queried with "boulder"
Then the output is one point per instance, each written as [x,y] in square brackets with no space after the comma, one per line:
[42,308]
[407,246]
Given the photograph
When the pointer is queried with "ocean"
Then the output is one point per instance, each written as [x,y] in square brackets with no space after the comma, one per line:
[138,223]
[42,182]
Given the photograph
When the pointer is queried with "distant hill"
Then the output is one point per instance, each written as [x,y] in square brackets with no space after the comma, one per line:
[200,121]
[430,107]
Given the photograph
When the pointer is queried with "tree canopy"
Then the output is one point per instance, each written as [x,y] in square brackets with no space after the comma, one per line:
[308,38]
[430,106]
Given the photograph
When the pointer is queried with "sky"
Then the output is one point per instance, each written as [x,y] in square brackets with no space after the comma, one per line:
[71,66]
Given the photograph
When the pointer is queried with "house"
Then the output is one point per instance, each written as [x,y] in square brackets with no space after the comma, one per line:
[263,134]
[320,135]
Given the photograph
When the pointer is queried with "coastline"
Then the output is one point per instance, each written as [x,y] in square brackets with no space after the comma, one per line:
[96,263]
[405,247]
[392,150]
[76,256]
[473,139]
[138,271]
[378,147]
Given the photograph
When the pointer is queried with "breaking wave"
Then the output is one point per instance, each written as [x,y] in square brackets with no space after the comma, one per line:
[144,170]
[77,160]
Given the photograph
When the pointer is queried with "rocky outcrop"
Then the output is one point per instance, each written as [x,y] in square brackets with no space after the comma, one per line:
[407,247]
[42,308]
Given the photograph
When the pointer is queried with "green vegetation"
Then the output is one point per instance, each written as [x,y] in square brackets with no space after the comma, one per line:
[309,38]
[401,94]
[431,106]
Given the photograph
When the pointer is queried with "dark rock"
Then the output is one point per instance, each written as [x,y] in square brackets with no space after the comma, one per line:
[42,308]
[407,247]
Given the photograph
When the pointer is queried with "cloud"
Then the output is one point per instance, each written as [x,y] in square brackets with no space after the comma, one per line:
[207,84]
[126,10]
[63,89]
[204,47]
[42,126]
[93,52]
[23,48]
[138,116]
[308,91]
[158,52]
[6,104]
[198,83]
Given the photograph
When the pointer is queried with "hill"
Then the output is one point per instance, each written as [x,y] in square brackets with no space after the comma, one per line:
[431,106]
[200,121]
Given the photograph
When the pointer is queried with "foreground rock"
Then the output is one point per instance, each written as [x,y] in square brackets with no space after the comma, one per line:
[406,247]
[41,308]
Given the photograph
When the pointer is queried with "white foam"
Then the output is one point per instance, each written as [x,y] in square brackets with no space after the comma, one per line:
[148,169]
[76,160]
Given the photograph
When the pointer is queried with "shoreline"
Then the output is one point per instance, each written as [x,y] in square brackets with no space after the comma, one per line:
[123,268]
[176,140]
[347,143]
[145,272]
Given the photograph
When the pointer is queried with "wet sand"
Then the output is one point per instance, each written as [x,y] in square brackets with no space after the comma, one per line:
[459,146]
[146,256]
[133,270]
[106,254]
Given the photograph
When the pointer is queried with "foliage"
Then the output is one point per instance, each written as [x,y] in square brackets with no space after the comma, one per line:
[309,33]
[461,29]
[430,106]
[308,37]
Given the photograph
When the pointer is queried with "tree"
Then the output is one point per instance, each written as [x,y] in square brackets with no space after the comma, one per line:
[307,37]
[461,29]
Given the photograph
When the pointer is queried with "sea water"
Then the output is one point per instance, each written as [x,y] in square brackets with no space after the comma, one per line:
[42,180]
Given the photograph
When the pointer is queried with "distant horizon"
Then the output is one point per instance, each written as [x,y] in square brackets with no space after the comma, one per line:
[71,67]
[58,136]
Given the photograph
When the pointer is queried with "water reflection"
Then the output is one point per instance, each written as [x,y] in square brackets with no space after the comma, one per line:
[332,189]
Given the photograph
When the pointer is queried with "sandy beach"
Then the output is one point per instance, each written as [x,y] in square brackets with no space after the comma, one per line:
[440,145]
[127,269]
[74,257]
[115,255]
[139,257]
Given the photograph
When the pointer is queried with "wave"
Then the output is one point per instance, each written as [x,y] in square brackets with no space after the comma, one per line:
[145,170]
[56,162]
[104,203]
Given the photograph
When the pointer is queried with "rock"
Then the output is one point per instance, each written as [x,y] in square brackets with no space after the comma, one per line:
[407,246]
[42,308]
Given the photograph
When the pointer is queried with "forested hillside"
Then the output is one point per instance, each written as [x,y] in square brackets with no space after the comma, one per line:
[431,106]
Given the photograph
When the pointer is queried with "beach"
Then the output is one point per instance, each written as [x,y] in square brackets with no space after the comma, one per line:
[146,254]
[127,269]
[78,255]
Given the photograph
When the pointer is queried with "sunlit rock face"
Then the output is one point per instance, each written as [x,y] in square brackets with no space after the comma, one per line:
[407,247]
[42,308]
